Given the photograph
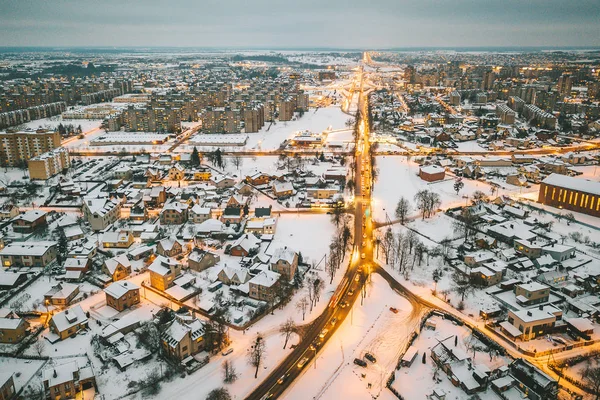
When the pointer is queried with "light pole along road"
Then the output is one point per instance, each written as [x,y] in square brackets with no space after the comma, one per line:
[351,285]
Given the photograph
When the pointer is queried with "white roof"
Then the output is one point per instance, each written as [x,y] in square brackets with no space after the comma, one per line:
[9,278]
[432,169]
[37,248]
[64,373]
[581,324]
[120,288]
[265,278]
[10,323]
[283,253]
[569,182]
[30,216]
[161,265]
[112,263]
[68,318]
[533,286]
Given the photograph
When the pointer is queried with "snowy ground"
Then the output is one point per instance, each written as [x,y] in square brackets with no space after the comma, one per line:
[417,381]
[23,369]
[399,178]
[369,328]
[53,122]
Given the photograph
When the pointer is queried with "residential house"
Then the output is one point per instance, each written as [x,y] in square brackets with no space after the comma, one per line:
[67,381]
[7,386]
[533,322]
[169,247]
[199,214]
[263,286]
[529,248]
[233,275]
[28,254]
[183,337]
[117,239]
[245,245]
[222,181]
[163,272]
[68,322]
[117,268]
[174,213]
[122,295]
[61,295]
[176,173]
[432,173]
[258,179]
[199,259]
[29,221]
[8,211]
[282,189]
[285,262]
[10,280]
[263,226]
[536,384]
[101,212]
[12,328]
[528,294]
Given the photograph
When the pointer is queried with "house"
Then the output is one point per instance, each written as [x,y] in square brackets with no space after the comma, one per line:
[559,252]
[176,173]
[61,295]
[528,294]
[12,328]
[263,226]
[101,212]
[483,276]
[122,295]
[79,264]
[68,322]
[117,268]
[169,247]
[238,201]
[183,337]
[231,215]
[536,384]
[432,173]
[8,211]
[117,239]
[29,221]
[456,364]
[7,386]
[163,272]
[258,179]
[516,180]
[576,194]
[199,260]
[202,174]
[233,276]
[174,213]
[533,322]
[528,248]
[285,262]
[263,286]
[28,254]
[67,381]
[282,189]
[199,214]
[9,280]
[222,181]
[477,258]
[245,245]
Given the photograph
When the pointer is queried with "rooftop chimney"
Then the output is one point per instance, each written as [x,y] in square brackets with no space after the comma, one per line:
[529,313]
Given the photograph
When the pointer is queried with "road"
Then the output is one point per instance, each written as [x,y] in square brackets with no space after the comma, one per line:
[350,288]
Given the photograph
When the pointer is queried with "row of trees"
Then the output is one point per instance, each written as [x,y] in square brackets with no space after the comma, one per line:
[426,201]
[403,251]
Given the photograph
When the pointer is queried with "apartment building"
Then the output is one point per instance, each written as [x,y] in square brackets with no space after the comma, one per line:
[576,194]
[49,164]
[17,148]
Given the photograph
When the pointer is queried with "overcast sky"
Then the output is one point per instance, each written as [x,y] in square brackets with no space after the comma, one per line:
[300,23]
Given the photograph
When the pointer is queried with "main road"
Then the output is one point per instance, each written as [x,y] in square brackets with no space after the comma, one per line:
[361,264]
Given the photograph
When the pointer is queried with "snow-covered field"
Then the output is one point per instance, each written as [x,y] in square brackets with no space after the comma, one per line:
[370,327]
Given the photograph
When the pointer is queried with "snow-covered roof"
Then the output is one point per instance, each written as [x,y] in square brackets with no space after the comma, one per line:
[265,278]
[30,216]
[112,263]
[35,249]
[8,278]
[161,265]
[285,254]
[120,288]
[572,183]
[68,318]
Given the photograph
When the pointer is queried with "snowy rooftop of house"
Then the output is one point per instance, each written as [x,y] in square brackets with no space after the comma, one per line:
[285,254]
[68,318]
[537,314]
[37,248]
[8,278]
[112,263]
[60,373]
[61,291]
[581,324]
[265,278]
[100,206]
[161,265]
[115,237]
[533,286]
[30,216]
[10,323]
[432,169]
[120,288]
[569,182]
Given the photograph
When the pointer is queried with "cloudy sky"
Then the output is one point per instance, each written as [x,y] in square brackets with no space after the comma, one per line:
[305,23]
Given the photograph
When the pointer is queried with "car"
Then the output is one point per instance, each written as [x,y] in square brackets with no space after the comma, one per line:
[360,363]
[227,351]
[302,362]
[344,304]
[350,293]
[394,310]
[370,357]
[282,379]
[364,235]
[357,278]
[323,333]
[333,321]
[363,243]
[362,256]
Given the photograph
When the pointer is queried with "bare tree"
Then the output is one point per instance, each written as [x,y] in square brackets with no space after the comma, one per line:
[318,289]
[287,329]
[229,373]
[461,285]
[39,346]
[402,209]
[218,394]
[237,161]
[591,375]
[256,353]
[302,306]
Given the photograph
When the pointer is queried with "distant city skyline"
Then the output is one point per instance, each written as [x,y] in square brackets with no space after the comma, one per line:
[278,24]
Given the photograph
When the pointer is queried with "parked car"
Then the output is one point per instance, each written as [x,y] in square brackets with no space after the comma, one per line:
[394,310]
[302,362]
[370,357]
[227,351]
[360,363]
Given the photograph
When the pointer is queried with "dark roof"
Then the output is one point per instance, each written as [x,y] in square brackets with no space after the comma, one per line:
[262,211]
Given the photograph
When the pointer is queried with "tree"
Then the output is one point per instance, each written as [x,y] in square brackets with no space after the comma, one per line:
[195,158]
[591,375]
[427,202]
[461,285]
[62,247]
[218,394]
[256,353]
[465,224]
[569,217]
[302,306]
[346,239]
[318,286]
[229,373]
[478,196]
[336,216]
[237,161]
[458,185]
[39,346]
[402,209]
[424,358]
[436,276]
[287,329]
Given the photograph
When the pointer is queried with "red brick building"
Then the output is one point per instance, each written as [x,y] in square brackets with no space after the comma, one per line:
[576,194]
[432,173]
